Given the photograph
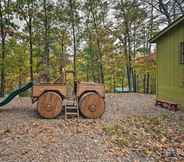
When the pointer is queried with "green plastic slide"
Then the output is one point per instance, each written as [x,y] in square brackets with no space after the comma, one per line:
[15,93]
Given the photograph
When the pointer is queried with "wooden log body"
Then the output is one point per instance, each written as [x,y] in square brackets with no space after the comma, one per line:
[91,105]
[83,87]
[39,89]
[49,105]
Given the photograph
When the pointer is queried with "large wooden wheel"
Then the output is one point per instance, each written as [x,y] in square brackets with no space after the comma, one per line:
[49,105]
[91,105]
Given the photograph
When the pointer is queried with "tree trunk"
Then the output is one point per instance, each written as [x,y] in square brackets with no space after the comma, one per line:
[128,66]
[144,83]
[62,61]
[148,83]
[45,75]
[137,81]
[30,49]
[174,11]
[134,81]
[74,38]
[129,60]
[61,57]
[99,55]
[129,77]
[2,65]
[122,83]
[74,51]
[90,62]
[114,83]
[2,53]
[20,71]
[151,27]
[127,46]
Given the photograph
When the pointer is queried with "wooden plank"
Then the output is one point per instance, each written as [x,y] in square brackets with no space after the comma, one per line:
[164,101]
[167,104]
[41,88]
[90,86]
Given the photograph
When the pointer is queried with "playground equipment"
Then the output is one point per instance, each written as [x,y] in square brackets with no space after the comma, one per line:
[90,97]
[86,98]
[16,92]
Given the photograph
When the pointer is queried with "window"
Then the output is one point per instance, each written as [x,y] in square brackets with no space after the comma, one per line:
[182,52]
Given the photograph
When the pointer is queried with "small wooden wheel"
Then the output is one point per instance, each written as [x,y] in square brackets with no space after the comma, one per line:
[49,105]
[91,105]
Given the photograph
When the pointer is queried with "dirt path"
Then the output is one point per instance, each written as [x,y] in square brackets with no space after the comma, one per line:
[26,137]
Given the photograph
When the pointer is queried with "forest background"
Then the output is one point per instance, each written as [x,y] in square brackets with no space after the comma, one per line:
[105,41]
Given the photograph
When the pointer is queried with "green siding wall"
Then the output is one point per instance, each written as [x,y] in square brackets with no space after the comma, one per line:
[170,74]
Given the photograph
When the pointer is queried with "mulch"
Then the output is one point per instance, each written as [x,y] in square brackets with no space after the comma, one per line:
[24,136]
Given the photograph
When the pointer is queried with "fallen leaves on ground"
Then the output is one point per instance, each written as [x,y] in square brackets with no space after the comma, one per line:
[24,136]
[160,137]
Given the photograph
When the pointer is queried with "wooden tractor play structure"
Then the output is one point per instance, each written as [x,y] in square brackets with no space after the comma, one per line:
[87,99]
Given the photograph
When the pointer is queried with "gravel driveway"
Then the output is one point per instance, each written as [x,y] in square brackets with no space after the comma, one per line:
[24,136]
